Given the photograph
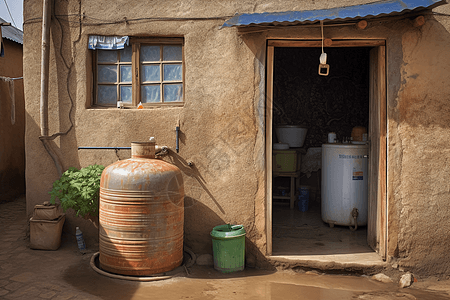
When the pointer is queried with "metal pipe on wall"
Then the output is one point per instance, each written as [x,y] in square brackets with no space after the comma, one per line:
[158,149]
[104,148]
[45,56]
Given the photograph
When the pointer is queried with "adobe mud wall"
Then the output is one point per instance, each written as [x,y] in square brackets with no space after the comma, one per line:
[222,120]
[418,151]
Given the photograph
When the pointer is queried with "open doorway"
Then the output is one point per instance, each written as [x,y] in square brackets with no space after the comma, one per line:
[352,95]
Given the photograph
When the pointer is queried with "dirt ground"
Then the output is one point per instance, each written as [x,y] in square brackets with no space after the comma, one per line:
[66,274]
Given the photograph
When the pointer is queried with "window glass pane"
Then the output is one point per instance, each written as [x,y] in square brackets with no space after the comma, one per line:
[171,53]
[151,73]
[125,93]
[172,72]
[125,54]
[150,93]
[125,73]
[173,92]
[107,94]
[150,53]
[107,74]
[107,56]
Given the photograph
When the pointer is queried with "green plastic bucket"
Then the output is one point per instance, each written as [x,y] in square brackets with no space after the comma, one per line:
[228,243]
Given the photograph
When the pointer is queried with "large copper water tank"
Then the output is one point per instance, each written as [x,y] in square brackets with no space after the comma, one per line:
[141,214]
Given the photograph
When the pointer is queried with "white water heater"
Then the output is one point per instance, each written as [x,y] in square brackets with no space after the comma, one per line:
[344,183]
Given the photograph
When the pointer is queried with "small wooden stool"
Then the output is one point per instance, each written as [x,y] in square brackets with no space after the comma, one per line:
[293,176]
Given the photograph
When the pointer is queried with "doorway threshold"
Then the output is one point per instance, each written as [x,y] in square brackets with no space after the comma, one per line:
[366,263]
[302,239]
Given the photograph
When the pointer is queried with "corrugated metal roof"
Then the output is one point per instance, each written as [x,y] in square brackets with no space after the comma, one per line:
[12,33]
[369,10]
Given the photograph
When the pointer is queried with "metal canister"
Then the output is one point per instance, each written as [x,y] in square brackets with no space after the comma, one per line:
[331,137]
[141,214]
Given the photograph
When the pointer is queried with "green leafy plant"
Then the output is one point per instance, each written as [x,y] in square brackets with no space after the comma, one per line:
[79,190]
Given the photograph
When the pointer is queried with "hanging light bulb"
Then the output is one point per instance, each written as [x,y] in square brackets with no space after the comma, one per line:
[324,68]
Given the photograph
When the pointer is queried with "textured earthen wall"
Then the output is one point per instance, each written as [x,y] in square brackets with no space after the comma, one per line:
[419,151]
[12,127]
[222,121]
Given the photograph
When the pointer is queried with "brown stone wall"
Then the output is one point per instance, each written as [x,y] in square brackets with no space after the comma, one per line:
[12,128]
[222,121]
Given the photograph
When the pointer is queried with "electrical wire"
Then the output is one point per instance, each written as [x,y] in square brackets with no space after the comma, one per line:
[321,26]
[441,14]
[154,19]
[7,7]
[125,20]
[323,57]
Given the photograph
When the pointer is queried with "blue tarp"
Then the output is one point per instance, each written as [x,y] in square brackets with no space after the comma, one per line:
[374,9]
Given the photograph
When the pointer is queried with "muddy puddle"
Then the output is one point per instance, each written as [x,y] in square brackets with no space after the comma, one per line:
[206,283]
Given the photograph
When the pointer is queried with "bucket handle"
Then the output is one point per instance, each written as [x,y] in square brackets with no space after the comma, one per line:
[235,227]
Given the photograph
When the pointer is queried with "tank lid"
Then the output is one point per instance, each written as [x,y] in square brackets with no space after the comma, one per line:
[143,149]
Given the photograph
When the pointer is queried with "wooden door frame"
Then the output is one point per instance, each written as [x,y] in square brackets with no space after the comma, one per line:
[377,206]
[382,199]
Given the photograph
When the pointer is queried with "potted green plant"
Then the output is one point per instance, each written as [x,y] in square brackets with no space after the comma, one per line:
[79,190]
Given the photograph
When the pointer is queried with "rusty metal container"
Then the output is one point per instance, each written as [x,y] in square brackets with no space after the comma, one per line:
[141,214]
